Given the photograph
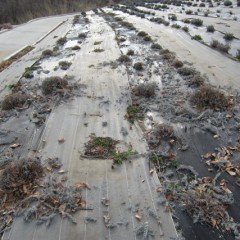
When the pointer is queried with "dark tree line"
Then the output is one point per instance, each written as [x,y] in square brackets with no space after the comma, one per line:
[19,11]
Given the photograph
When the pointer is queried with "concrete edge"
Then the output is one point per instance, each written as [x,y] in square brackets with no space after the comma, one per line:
[52,30]
[38,41]
[8,57]
[4,30]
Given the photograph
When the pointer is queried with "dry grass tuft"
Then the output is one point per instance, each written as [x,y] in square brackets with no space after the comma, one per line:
[146,90]
[7,63]
[53,84]
[14,100]
[208,97]
[19,178]
[196,81]
[124,58]
[177,63]
[138,66]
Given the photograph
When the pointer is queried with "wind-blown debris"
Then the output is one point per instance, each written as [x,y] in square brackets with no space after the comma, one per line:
[205,202]
[220,159]
[28,188]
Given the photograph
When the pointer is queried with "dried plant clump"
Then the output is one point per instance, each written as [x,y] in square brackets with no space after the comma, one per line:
[147,38]
[119,157]
[121,39]
[163,131]
[227,3]
[208,97]
[47,53]
[145,89]
[160,132]
[186,71]
[185,29]
[196,81]
[220,46]
[124,58]
[64,65]
[53,84]
[156,46]
[61,41]
[128,25]
[138,66]
[188,12]
[118,19]
[28,72]
[19,178]
[98,50]
[197,37]
[162,162]
[76,19]
[206,202]
[130,52]
[175,25]
[197,22]
[177,63]
[172,17]
[24,191]
[14,100]
[170,56]
[6,26]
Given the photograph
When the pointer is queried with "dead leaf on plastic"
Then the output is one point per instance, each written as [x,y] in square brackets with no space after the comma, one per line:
[222,159]
[49,169]
[82,203]
[207,179]
[15,145]
[62,209]
[61,140]
[231,171]
[171,154]
[223,185]
[213,222]
[138,216]
[232,148]
[80,185]
[106,218]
